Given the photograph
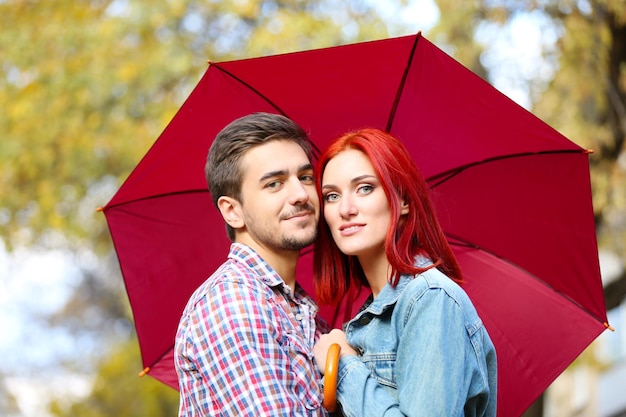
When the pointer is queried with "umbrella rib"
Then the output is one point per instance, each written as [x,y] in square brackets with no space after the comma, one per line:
[392,114]
[147,369]
[455,240]
[263,96]
[149,197]
[257,92]
[442,177]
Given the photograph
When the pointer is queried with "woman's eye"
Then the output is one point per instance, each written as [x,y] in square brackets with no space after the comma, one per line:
[330,197]
[365,189]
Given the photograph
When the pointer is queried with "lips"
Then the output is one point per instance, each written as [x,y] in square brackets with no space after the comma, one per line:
[350,228]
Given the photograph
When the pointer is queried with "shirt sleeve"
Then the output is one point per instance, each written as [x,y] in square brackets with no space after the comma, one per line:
[243,359]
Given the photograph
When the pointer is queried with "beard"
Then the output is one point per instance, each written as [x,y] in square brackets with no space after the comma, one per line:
[284,241]
[281,240]
[297,243]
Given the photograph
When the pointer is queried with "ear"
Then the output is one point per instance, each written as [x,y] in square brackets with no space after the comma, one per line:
[404,208]
[231,211]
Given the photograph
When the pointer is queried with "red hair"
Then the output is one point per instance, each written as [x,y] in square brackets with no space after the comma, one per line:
[419,232]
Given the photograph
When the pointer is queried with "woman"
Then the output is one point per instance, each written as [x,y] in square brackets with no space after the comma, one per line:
[417,347]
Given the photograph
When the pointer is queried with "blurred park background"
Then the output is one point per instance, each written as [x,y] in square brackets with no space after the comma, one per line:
[87,86]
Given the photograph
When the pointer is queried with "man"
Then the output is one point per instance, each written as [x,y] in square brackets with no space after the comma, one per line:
[244,342]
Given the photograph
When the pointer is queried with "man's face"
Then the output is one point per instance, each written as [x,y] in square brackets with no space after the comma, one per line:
[280,205]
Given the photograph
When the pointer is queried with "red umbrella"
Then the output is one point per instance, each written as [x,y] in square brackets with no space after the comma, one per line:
[513,196]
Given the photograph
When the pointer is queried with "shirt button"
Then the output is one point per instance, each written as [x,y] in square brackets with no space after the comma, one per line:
[299,316]
[365,319]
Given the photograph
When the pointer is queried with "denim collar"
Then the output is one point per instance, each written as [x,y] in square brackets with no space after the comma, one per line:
[389,295]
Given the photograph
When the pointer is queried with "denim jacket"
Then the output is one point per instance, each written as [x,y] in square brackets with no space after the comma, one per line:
[423,351]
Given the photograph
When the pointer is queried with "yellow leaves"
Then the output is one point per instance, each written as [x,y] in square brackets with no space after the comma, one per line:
[93,85]
[93,122]
[247,9]
[19,110]
[128,71]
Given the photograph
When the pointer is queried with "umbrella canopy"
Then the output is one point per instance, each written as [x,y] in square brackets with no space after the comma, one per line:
[512,194]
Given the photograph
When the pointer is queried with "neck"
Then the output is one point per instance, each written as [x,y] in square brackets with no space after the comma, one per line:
[377,271]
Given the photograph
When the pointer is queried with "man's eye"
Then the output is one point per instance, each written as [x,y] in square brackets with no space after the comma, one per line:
[308,179]
[273,184]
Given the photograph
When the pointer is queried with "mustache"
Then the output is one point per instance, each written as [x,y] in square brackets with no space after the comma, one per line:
[303,209]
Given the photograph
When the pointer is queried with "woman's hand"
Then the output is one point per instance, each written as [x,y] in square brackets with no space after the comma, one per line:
[320,350]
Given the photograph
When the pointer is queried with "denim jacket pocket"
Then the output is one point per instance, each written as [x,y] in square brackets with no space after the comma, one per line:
[382,367]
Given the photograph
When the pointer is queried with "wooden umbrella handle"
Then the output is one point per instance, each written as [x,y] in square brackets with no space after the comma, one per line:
[330,377]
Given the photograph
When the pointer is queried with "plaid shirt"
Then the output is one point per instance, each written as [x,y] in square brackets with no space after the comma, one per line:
[244,344]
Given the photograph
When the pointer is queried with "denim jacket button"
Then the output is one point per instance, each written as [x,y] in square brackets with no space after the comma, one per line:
[365,319]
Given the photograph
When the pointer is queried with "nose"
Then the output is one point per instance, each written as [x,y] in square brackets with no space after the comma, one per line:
[298,194]
[347,208]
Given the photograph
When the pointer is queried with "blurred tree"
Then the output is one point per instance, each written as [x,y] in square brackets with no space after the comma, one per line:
[577,85]
[8,404]
[87,86]
[118,391]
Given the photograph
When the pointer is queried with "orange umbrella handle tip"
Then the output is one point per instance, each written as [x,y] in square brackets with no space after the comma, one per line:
[608,326]
[100,209]
[330,377]
[145,371]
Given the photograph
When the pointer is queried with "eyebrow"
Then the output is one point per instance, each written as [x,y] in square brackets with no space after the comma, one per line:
[284,172]
[352,181]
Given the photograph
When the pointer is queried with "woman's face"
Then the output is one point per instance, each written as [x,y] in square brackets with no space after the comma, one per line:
[355,205]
